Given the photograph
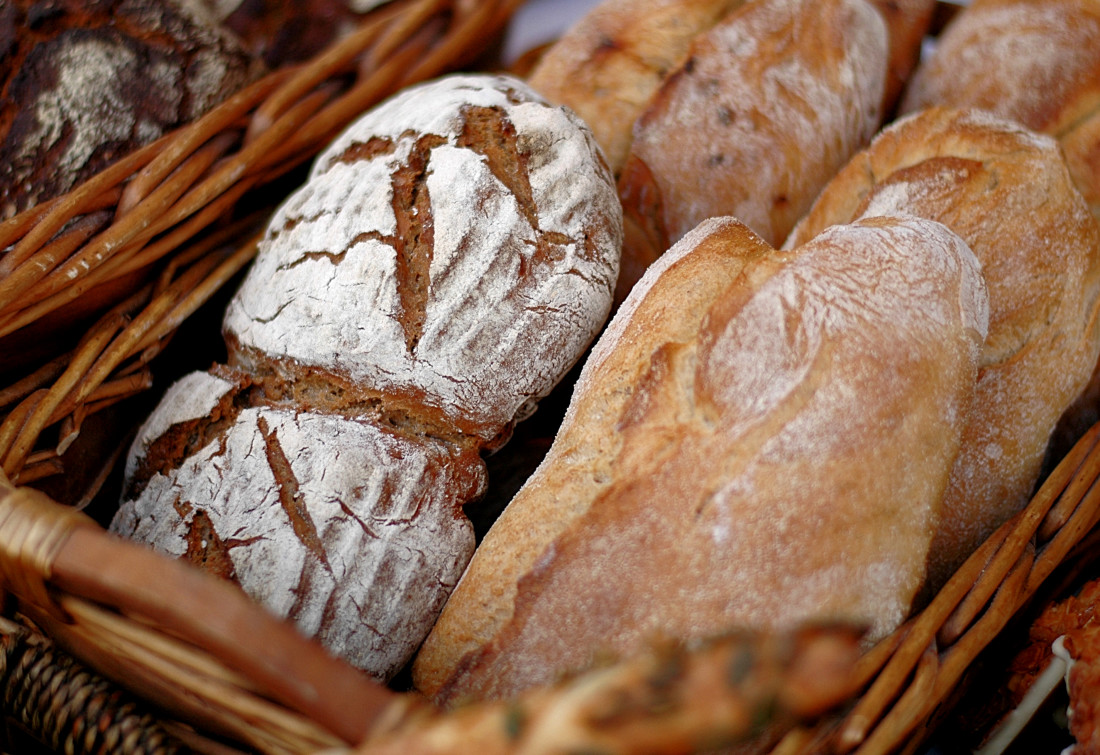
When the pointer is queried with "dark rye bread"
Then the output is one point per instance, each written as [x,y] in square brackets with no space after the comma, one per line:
[84,83]
[450,258]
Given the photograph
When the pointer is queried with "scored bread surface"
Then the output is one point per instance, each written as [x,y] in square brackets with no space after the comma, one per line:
[460,218]
[451,256]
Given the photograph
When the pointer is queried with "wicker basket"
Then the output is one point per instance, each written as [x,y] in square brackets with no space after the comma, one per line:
[171,660]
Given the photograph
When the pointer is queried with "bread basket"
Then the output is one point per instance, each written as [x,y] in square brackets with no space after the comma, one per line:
[109,647]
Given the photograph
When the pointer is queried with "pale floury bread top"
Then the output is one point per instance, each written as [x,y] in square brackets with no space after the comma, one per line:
[759,438]
[462,215]
[450,258]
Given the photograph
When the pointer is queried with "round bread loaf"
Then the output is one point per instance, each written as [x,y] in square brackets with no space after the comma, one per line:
[86,83]
[768,105]
[469,227]
[1006,191]
[758,438]
[450,258]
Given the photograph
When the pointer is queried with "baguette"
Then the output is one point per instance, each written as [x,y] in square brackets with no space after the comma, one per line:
[768,105]
[1007,192]
[746,418]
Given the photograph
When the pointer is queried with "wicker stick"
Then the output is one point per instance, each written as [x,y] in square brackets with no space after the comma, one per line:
[746,687]
[912,672]
[179,637]
[68,708]
[164,196]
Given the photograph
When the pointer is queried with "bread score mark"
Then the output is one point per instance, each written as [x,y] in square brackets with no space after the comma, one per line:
[290,497]
[488,132]
[415,240]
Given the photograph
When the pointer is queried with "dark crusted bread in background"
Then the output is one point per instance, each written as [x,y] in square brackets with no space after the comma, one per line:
[84,83]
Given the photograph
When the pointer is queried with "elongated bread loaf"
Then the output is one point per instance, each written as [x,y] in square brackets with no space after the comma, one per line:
[1034,61]
[769,104]
[1006,191]
[759,438]
[450,258]
[609,64]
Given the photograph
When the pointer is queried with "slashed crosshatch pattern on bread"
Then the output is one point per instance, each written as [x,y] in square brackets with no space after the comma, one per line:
[450,258]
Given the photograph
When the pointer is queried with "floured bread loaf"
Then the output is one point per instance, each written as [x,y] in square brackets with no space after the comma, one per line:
[609,64]
[451,256]
[1006,191]
[86,83]
[759,438]
[769,104]
[1034,61]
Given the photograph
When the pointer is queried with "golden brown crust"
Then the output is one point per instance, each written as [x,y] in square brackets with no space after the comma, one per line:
[768,105]
[1006,191]
[1034,61]
[609,64]
[714,469]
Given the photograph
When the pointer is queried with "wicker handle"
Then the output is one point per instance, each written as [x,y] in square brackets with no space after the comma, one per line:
[179,637]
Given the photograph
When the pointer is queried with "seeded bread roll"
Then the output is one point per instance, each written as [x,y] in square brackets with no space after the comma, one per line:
[610,63]
[768,105]
[451,256]
[86,83]
[1034,61]
[746,420]
[1006,191]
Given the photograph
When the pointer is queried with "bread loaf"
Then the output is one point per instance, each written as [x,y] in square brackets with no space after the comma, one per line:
[1034,61]
[86,83]
[1006,191]
[449,259]
[767,106]
[609,64]
[758,438]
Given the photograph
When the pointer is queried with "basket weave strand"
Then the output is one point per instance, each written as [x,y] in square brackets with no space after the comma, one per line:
[163,200]
[912,672]
[67,707]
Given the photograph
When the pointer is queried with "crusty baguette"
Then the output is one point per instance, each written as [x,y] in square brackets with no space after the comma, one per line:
[759,438]
[769,104]
[608,65]
[1034,61]
[1006,191]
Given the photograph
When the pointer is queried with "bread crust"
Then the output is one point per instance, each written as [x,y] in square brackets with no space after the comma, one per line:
[86,83]
[714,470]
[608,65]
[768,105]
[1006,191]
[1033,61]
[450,258]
